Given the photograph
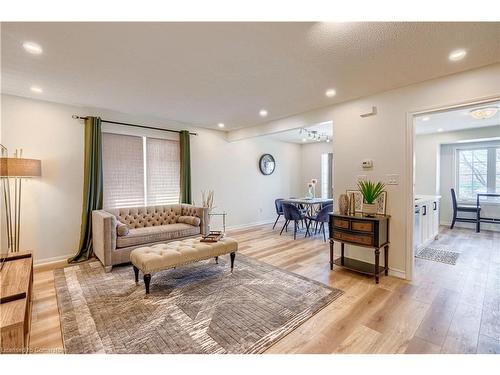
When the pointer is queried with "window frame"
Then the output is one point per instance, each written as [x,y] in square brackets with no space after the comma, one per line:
[328,192]
[491,166]
[144,136]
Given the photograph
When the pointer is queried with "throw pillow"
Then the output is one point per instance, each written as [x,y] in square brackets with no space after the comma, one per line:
[191,220]
[121,229]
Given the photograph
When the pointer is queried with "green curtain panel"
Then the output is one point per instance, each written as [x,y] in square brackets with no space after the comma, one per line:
[185,167]
[92,185]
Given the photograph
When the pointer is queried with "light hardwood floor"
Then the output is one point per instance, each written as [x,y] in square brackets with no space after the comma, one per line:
[446,309]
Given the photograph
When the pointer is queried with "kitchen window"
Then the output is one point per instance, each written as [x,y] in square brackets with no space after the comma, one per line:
[139,171]
[478,171]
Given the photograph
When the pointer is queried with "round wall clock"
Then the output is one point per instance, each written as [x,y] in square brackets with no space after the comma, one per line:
[267,164]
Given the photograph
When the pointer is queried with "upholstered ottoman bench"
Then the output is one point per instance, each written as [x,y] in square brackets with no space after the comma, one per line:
[150,259]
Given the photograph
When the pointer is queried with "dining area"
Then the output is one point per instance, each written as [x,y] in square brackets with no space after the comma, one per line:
[306,216]
[477,210]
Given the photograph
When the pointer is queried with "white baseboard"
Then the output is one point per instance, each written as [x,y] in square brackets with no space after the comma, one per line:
[248,225]
[46,261]
[397,273]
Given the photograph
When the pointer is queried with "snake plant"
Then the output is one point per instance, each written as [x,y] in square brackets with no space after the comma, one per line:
[370,190]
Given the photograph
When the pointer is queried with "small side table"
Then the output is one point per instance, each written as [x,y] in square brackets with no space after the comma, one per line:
[223,214]
[367,231]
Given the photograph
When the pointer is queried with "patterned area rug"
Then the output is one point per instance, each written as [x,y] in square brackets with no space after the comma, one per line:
[200,308]
[438,255]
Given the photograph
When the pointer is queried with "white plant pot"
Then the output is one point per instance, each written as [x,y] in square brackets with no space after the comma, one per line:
[369,208]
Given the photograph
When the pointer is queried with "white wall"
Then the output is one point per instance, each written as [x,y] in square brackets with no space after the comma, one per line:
[311,164]
[384,139]
[427,155]
[52,204]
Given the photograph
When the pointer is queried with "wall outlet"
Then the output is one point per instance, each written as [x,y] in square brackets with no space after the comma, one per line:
[362,177]
[392,179]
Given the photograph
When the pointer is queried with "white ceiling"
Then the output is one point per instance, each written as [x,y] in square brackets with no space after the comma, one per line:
[206,73]
[453,120]
[295,136]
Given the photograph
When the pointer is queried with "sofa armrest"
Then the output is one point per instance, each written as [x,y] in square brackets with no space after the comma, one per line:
[103,235]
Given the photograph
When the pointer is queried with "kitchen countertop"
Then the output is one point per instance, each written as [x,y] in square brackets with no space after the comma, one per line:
[420,198]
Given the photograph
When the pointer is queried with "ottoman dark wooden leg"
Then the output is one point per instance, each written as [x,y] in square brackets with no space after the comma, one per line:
[232,255]
[147,279]
[136,272]
[216,260]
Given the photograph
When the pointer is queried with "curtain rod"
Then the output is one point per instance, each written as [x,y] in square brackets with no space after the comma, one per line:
[76,117]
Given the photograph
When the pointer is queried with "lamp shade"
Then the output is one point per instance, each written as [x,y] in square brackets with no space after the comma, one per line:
[19,167]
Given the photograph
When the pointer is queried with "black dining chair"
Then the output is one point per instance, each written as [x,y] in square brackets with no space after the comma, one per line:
[291,213]
[464,208]
[278,204]
[320,218]
[328,203]
[301,207]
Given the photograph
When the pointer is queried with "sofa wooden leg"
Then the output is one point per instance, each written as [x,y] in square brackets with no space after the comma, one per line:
[232,255]
[107,269]
[136,273]
[147,279]
[216,260]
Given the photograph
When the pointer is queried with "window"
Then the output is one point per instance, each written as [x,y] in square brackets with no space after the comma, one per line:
[326,175]
[497,179]
[163,171]
[139,171]
[123,171]
[478,171]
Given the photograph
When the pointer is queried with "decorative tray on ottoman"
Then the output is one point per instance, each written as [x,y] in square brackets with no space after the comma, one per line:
[212,236]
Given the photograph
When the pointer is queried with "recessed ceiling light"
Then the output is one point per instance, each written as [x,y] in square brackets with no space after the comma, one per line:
[36,89]
[220,125]
[330,93]
[304,139]
[426,118]
[483,113]
[440,130]
[262,113]
[457,55]
[33,48]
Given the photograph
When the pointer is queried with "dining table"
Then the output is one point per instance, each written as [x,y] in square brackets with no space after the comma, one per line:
[312,205]
[489,220]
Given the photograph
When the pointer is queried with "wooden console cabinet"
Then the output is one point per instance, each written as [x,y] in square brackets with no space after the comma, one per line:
[370,232]
[16,278]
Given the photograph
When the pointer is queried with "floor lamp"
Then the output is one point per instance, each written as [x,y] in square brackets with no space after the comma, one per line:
[15,169]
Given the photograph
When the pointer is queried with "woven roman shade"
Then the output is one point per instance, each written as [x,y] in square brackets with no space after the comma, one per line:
[162,171]
[123,171]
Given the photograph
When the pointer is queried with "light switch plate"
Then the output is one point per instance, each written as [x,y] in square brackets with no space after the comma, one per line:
[392,179]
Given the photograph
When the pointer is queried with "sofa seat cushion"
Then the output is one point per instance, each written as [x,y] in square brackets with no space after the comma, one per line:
[139,236]
[163,256]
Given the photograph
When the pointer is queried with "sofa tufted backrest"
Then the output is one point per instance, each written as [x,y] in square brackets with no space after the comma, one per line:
[190,210]
[140,217]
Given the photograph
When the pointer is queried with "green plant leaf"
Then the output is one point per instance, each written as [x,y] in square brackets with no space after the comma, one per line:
[370,190]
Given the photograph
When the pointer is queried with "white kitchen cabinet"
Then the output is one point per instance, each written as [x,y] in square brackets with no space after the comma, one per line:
[428,228]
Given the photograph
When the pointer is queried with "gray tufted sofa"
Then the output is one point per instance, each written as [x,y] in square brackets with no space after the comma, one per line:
[116,232]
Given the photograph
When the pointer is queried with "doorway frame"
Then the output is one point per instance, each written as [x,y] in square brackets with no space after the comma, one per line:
[409,170]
